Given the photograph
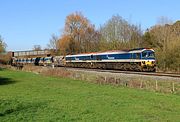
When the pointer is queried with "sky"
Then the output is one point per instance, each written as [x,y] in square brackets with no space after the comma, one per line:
[25,23]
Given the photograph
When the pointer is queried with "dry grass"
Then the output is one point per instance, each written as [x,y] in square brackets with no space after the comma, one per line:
[163,86]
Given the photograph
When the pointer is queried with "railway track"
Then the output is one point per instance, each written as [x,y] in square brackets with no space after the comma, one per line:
[160,74]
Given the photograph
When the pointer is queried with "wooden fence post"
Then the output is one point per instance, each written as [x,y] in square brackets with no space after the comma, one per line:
[82,76]
[105,79]
[173,89]
[156,85]
[141,84]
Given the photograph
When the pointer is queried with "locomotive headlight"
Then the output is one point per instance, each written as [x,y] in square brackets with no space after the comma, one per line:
[153,62]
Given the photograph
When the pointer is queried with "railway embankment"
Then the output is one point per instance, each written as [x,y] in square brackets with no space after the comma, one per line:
[164,84]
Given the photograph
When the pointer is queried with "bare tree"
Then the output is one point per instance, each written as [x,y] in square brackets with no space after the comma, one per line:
[164,20]
[3,45]
[120,34]
[53,42]
[37,47]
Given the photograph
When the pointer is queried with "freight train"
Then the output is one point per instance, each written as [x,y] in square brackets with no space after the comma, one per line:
[141,59]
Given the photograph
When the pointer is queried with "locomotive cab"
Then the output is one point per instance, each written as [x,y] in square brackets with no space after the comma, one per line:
[148,60]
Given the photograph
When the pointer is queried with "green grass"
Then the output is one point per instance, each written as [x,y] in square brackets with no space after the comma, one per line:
[31,97]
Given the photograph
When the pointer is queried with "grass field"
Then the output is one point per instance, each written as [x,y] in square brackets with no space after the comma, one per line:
[32,97]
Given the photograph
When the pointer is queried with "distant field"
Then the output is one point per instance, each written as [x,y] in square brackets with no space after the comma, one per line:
[31,97]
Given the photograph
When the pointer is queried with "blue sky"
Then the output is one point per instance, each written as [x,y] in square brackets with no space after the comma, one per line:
[24,23]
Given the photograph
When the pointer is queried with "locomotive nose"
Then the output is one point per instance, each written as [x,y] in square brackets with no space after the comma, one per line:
[150,63]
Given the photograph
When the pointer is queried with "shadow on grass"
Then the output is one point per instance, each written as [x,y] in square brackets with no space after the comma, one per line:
[6,81]
[1,69]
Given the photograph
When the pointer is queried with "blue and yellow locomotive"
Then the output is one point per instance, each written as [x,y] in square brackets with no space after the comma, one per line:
[141,59]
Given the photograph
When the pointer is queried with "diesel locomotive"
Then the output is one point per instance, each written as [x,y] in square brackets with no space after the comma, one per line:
[135,60]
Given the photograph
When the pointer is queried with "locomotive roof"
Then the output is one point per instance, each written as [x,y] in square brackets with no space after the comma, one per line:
[138,50]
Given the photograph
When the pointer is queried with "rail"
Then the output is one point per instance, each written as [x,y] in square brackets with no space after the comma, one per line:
[131,72]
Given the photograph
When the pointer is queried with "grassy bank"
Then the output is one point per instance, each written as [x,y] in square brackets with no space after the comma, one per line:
[31,97]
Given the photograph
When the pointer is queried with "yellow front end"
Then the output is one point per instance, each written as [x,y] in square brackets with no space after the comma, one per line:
[148,65]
